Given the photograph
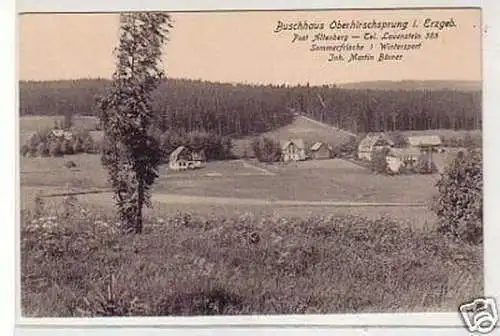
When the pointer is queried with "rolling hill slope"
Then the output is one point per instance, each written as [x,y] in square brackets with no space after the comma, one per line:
[302,127]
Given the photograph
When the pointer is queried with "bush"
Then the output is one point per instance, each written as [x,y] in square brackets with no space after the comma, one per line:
[25,150]
[55,148]
[89,145]
[78,146]
[35,141]
[399,139]
[70,164]
[470,142]
[42,144]
[425,166]
[67,147]
[459,204]
[349,148]
[378,163]
[43,149]
[266,149]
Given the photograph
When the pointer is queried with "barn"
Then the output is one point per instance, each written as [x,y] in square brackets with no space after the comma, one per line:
[293,150]
[371,143]
[321,151]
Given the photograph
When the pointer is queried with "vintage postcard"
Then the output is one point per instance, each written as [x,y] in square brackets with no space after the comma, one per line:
[252,163]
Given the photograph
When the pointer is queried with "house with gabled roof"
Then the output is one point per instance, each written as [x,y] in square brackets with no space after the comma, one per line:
[183,158]
[369,144]
[293,150]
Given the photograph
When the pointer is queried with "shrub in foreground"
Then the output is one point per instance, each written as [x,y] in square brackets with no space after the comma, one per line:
[459,204]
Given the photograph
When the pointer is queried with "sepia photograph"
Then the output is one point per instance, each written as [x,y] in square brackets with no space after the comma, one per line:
[256,162]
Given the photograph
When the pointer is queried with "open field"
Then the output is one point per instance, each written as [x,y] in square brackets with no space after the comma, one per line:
[332,180]
[242,186]
[447,133]
[418,218]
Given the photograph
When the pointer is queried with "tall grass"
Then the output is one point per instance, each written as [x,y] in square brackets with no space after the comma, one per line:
[191,265]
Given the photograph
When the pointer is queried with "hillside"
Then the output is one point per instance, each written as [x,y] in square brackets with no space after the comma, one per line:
[302,127]
[415,85]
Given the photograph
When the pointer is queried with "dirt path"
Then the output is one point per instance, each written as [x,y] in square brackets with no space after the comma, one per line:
[185,199]
[262,170]
[327,126]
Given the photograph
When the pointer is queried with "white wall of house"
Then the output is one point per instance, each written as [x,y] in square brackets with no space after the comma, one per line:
[394,164]
[293,153]
[365,155]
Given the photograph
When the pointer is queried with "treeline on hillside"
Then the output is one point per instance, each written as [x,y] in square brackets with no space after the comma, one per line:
[363,111]
[182,105]
[459,85]
[240,110]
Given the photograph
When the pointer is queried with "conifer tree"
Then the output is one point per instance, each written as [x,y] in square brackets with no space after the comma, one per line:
[130,154]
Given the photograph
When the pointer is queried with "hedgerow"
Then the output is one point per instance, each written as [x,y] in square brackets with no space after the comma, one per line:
[45,143]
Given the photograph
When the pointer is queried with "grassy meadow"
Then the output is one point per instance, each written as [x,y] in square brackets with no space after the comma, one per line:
[236,187]
[185,264]
[336,181]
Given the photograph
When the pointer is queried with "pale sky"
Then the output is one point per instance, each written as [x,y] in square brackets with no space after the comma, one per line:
[242,47]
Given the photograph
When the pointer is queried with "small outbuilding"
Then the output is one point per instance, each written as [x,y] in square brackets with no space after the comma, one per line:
[426,144]
[425,141]
[321,151]
[293,150]
[398,158]
[372,143]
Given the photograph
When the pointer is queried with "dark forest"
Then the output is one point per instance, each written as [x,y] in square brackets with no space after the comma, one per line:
[240,110]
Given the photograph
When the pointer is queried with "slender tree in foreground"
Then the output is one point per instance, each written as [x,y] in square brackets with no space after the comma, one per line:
[130,154]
